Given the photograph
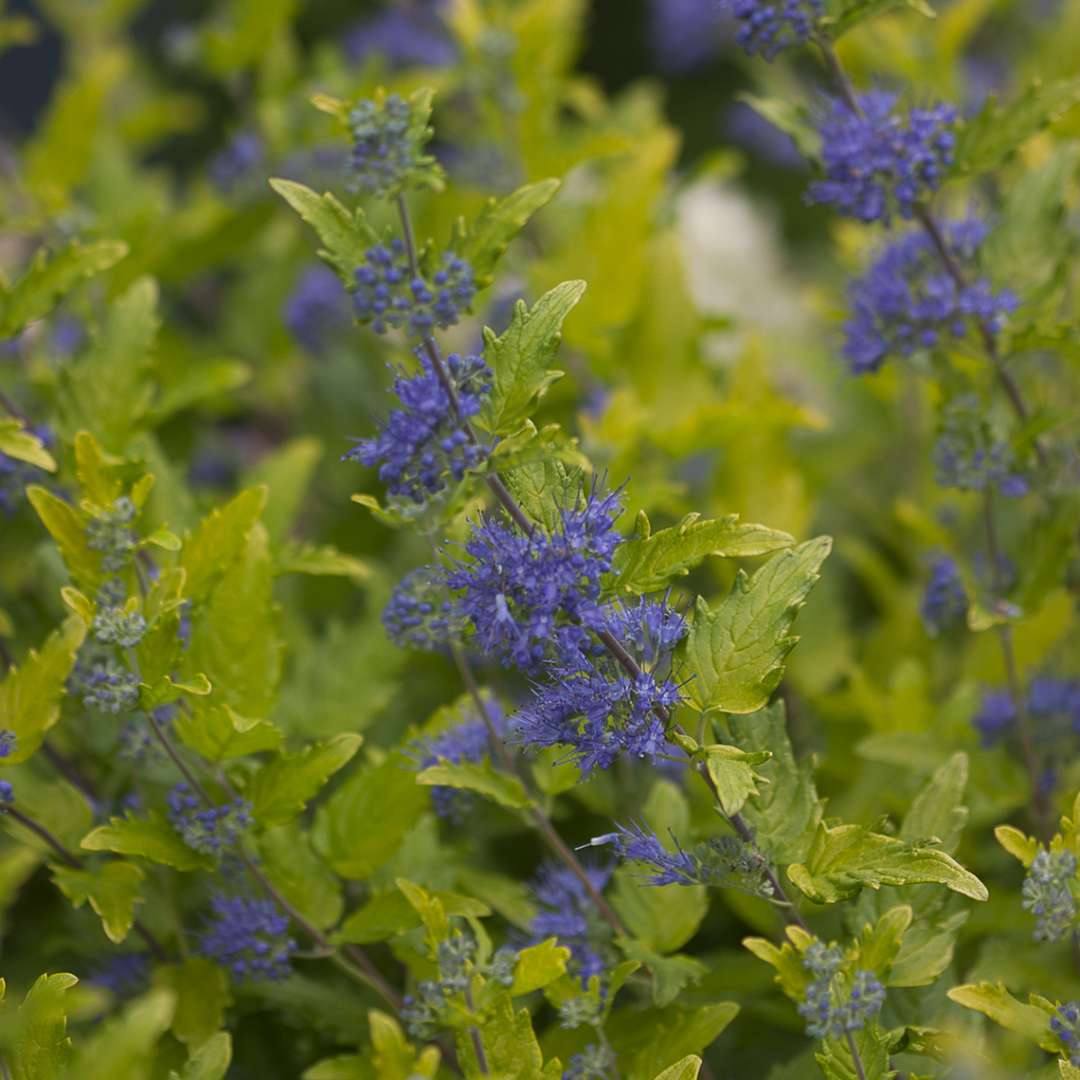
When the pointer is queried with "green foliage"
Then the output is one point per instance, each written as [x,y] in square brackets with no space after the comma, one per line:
[113,890]
[150,837]
[844,15]
[345,234]
[281,789]
[506,790]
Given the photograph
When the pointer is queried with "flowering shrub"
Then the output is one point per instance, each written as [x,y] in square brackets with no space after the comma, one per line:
[566,747]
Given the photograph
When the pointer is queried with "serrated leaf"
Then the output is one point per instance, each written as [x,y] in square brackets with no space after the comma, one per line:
[202,995]
[301,875]
[22,445]
[544,488]
[210,1061]
[669,975]
[281,789]
[662,917]
[125,1045]
[113,890]
[1017,844]
[345,236]
[151,837]
[990,137]
[323,561]
[428,907]
[844,859]
[219,733]
[30,695]
[845,15]
[481,777]
[42,1046]
[50,277]
[498,223]
[394,1058]
[733,774]
[872,1045]
[651,1040]
[995,1001]
[219,540]
[647,563]
[509,1041]
[736,651]
[388,914]
[687,1069]
[538,965]
[67,526]
[520,358]
[937,812]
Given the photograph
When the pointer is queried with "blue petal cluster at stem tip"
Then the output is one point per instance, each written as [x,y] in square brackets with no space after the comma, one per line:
[566,911]
[766,27]
[249,938]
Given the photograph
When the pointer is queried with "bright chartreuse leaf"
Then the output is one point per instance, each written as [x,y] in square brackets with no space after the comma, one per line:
[687,1069]
[210,1061]
[113,890]
[736,650]
[481,777]
[520,358]
[202,996]
[509,1041]
[219,540]
[389,913]
[538,965]
[220,733]
[22,445]
[324,561]
[345,234]
[733,774]
[648,561]
[30,694]
[544,489]
[995,1001]
[66,524]
[844,859]
[40,1040]
[152,837]
[281,789]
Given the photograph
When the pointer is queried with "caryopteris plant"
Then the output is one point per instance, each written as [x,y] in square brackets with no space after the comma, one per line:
[506,767]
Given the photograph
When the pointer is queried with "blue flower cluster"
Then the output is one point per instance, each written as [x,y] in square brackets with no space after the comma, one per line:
[683,33]
[402,37]
[769,26]
[468,741]
[1066,1026]
[1048,894]
[385,147]
[124,975]
[234,165]
[388,295]
[880,159]
[638,844]
[566,912]
[423,446]
[419,614]
[209,830]
[116,625]
[110,532]
[908,301]
[1054,704]
[249,938]
[105,686]
[317,310]
[7,794]
[968,456]
[829,1010]
[945,601]
[525,595]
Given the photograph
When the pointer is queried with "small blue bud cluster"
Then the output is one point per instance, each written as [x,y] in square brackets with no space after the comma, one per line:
[105,686]
[579,1011]
[907,300]
[8,743]
[469,742]
[1054,704]
[945,601]
[387,294]
[16,475]
[110,532]
[1066,1026]
[317,309]
[595,1062]
[117,625]
[828,1010]
[209,830]
[769,26]
[385,149]
[566,911]
[420,614]
[233,167]
[248,938]
[423,446]
[1048,894]
[638,844]
[968,456]
[880,160]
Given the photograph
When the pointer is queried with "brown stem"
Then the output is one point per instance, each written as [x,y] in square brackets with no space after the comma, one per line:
[68,770]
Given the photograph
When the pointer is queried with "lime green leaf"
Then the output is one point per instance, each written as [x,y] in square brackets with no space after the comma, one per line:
[653,1039]
[125,1045]
[394,1057]
[732,773]
[219,540]
[286,474]
[937,812]
[993,1000]
[202,995]
[670,974]
[844,859]
[151,837]
[837,1063]
[520,358]
[324,561]
[199,381]
[687,1069]
[509,1044]
[42,1046]
[785,812]
[480,777]
[647,562]
[282,788]
[220,733]
[792,976]
[364,821]
[30,695]
[24,445]
[112,889]
[67,526]
[388,914]
[300,875]
[1017,844]
[736,652]
[539,965]
[544,488]
[428,907]
[845,15]
[210,1061]
[663,917]
[345,236]
[485,241]
[51,277]
[1067,1071]
[997,131]
[879,943]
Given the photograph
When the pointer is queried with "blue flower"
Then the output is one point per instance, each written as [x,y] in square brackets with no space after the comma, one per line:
[8,742]
[833,1006]
[528,596]
[209,830]
[1047,894]
[996,716]
[635,843]
[566,912]
[420,614]
[768,26]
[317,309]
[249,938]
[7,794]
[908,301]
[123,975]
[402,37]
[1066,1026]
[1053,703]
[945,601]
[110,532]
[967,455]
[880,159]
[683,33]
[423,446]
[388,295]
[106,686]
[385,145]
[234,165]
